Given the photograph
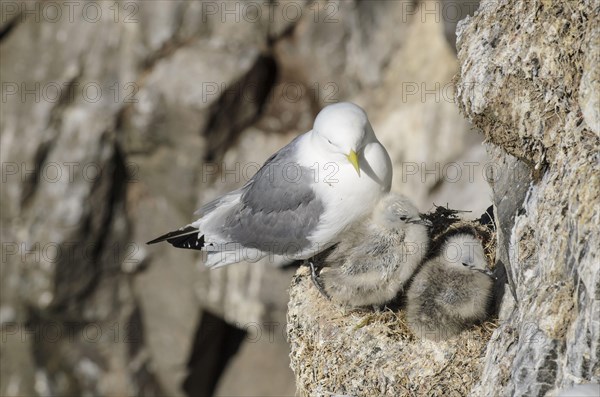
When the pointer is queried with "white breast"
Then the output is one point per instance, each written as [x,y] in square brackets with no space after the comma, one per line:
[346,196]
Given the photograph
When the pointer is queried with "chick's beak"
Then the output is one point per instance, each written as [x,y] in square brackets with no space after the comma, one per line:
[421,221]
[353,159]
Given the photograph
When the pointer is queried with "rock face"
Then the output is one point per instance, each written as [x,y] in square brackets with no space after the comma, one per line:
[527,68]
[110,112]
[119,119]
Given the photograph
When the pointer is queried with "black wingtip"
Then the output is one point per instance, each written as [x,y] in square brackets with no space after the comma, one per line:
[189,230]
[156,240]
[188,241]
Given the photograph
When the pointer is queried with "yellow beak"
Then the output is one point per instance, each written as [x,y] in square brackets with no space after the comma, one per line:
[353,159]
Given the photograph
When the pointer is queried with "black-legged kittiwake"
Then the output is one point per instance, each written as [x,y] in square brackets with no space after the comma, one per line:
[375,259]
[300,199]
[451,291]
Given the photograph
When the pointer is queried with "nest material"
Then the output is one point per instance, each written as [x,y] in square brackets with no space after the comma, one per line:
[446,222]
[369,353]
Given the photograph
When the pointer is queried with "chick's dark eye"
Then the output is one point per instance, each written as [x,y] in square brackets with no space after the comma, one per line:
[403,218]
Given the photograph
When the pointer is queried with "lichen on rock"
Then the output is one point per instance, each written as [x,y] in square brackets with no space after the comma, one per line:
[530,64]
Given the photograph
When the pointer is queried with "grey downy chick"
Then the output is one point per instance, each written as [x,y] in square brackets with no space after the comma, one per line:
[451,291]
[375,258]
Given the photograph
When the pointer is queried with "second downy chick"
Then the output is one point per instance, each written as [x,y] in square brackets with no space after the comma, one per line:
[451,291]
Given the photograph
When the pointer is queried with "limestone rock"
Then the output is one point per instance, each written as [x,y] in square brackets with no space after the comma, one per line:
[340,48]
[526,64]
[589,88]
[106,117]
[437,156]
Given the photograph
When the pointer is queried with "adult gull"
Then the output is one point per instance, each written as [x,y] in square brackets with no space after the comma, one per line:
[301,199]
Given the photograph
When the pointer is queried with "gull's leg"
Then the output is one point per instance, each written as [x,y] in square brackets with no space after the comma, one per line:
[315,279]
[490,273]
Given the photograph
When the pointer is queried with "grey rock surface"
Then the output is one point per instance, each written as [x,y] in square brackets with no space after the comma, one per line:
[116,129]
[528,63]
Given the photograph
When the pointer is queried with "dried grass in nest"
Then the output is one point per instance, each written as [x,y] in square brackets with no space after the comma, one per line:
[373,353]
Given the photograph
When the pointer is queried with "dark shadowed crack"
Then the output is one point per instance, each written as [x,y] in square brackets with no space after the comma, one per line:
[9,26]
[30,184]
[239,107]
[214,344]
[78,275]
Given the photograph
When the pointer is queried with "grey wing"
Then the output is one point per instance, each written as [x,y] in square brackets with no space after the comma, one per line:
[212,205]
[278,209]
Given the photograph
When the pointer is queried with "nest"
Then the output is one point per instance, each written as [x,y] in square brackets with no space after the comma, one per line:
[335,351]
[367,353]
